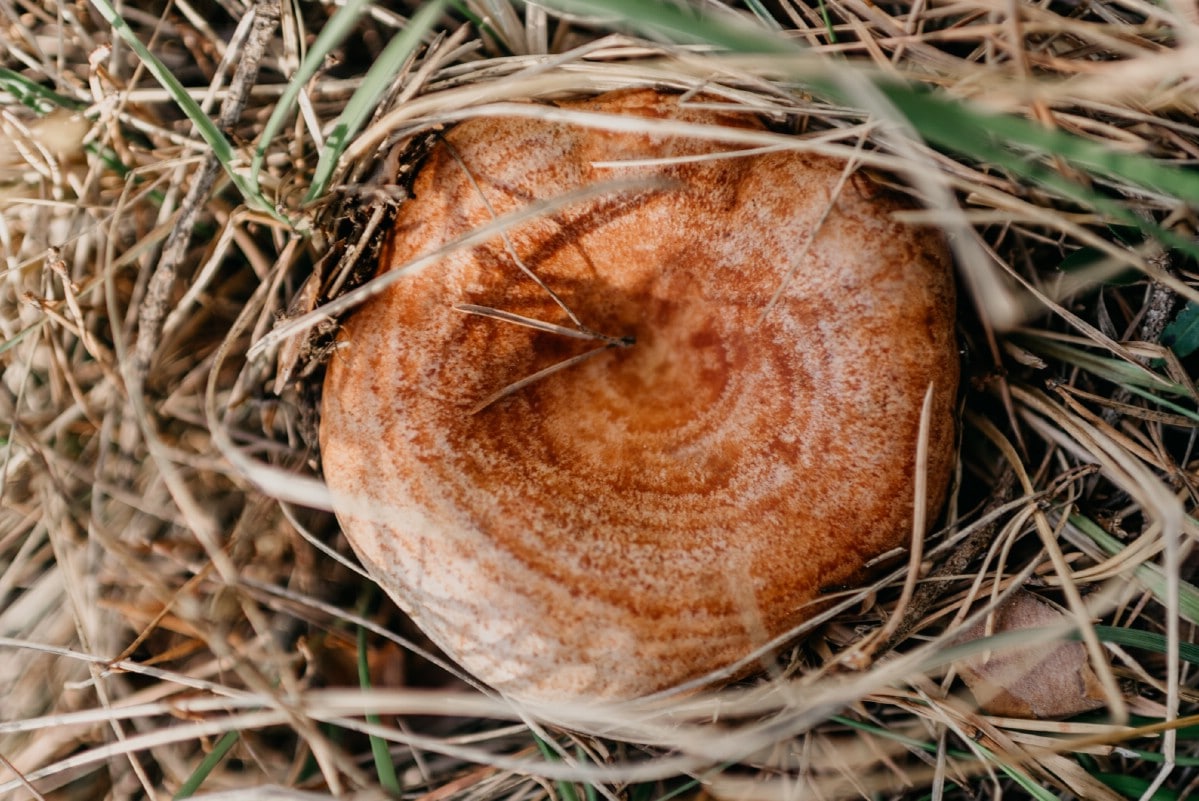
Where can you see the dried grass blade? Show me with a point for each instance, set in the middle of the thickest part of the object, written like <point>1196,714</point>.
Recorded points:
<point>207,129</point>
<point>527,322</point>
<point>517,386</point>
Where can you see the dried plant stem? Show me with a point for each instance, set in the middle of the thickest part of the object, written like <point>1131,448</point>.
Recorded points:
<point>539,325</point>
<point>517,386</point>
<point>507,240</point>
<point>974,546</point>
<point>1161,303</point>
<point>155,304</point>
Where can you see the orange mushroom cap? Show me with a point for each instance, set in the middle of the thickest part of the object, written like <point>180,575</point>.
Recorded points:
<point>663,507</point>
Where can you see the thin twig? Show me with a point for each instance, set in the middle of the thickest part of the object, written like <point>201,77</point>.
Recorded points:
<point>931,591</point>
<point>154,306</point>
<point>1158,309</point>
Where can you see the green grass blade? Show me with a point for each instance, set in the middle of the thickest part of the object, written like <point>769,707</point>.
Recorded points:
<point>759,10</point>
<point>825,17</point>
<point>1034,790</point>
<point>971,132</point>
<point>1182,334</point>
<point>684,24</point>
<point>1026,782</point>
<point>366,97</point>
<point>1020,146</point>
<point>34,95</point>
<point>682,789</point>
<point>1165,404</point>
<point>335,31</point>
<point>565,789</point>
<point>1149,575</point>
<point>384,767</point>
<point>1146,641</point>
<point>894,736</point>
<point>205,126</point>
<point>18,337</point>
<point>1007,140</point>
<point>1134,787</point>
<point>1116,371</point>
<point>589,791</point>
<point>43,101</point>
<point>207,766</point>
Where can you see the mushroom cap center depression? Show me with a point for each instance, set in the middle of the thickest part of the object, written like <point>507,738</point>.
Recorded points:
<point>658,510</point>
<point>625,427</point>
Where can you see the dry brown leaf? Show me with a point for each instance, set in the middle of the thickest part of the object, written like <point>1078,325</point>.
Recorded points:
<point>1047,678</point>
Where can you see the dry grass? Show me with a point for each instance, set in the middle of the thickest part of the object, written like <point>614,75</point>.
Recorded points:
<point>168,593</point>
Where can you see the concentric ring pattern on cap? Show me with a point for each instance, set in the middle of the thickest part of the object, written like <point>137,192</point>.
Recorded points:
<point>657,511</point>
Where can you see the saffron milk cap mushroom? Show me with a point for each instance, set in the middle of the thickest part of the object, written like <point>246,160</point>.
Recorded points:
<point>590,457</point>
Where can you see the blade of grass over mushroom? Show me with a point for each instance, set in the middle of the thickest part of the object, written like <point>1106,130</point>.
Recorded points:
<point>1026,149</point>
<point>205,126</point>
<point>949,123</point>
<point>480,234</point>
<point>680,22</point>
<point>1149,574</point>
<point>401,47</point>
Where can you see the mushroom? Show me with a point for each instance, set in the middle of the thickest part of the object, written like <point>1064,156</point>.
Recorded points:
<point>636,438</point>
